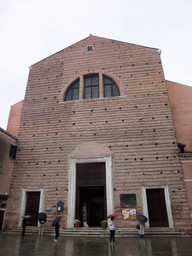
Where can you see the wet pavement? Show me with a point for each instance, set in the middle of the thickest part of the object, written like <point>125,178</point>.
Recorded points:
<point>16,245</point>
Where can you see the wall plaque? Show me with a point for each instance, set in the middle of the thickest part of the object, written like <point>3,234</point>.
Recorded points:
<point>128,199</point>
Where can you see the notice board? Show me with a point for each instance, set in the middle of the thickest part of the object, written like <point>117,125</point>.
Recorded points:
<point>128,199</point>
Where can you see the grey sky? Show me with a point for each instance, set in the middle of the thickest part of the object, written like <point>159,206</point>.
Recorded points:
<point>31,30</point>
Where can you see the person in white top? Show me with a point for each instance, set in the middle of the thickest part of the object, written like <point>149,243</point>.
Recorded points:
<point>112,229</point>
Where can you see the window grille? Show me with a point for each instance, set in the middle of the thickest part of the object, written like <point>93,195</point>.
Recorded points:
<point>110,88</point>
<point>73,91</point>
<point>91,87</point>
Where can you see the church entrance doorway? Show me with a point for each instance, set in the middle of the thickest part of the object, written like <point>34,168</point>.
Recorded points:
<point>90,193</point>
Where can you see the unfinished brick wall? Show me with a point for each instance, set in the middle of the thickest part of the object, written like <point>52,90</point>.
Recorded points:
<point>180,97</point>
<point>15,118</point>
<point>137,127</point>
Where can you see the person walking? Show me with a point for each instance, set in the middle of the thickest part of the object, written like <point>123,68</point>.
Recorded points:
<point>55,224</point>
<point>56,232</point>
<point>24,224</point>
<point>112,229</point>
<point>41,227</point>
<point>42,219</point>
<point>141,219</point>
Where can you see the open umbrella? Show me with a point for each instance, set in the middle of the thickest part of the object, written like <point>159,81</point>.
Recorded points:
<point>56,221</point>
<point>141,219</point>
<point>27,216</point>
<point>111,215</point>
<point>42,216</point>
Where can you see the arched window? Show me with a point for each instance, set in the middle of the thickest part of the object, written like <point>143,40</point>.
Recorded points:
<point>110,88</point>
<point>91,86</point>
<point>73,91</point>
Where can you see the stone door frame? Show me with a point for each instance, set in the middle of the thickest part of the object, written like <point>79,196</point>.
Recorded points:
<point>167,202</point>
<point>24,200</point>
<point>72,185</point>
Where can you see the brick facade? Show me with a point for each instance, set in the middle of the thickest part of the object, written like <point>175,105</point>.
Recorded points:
<point>135,130</point>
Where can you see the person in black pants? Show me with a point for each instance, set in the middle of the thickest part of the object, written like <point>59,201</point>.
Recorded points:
<point>112,229</point>
<point>56,232</point>
<point>24,224</point>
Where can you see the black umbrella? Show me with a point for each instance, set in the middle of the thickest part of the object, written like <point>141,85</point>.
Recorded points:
<point>56,221</point>
<point>42,216</point>
<point>141,219</point>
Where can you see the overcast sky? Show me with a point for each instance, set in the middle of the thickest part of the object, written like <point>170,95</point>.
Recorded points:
<point>31,30</point>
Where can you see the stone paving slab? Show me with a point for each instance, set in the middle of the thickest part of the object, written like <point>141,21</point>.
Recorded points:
<point>30,245</point>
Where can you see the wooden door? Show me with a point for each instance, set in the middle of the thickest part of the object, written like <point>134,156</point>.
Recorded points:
<point>1,219</point>
<point>32,207</point>
<point>157,208</point>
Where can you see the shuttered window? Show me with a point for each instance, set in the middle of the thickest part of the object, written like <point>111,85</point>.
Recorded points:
<point>73,91</point>
<point>110,88</point>
<point>91,87</point>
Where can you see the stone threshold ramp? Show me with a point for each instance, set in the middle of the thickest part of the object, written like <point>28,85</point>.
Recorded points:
<point>99,232</point>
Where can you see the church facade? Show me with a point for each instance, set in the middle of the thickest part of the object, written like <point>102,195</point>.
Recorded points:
<point>97,136</point>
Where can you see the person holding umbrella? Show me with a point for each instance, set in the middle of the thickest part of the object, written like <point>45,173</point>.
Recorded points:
<point>24,223</point>
<point>141,219</point>
<point>42,217</point>
<point>112,227</point>
<point>56,224</point>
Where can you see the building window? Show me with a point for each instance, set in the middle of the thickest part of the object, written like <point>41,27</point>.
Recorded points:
<point>90,48</point>
<point>12,152</point>
<point>73,91</point>
<point>110,88</point>
<point>91,87</point>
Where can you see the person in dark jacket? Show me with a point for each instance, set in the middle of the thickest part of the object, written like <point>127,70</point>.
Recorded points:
<point>24,224</point>
<point>56,232</point>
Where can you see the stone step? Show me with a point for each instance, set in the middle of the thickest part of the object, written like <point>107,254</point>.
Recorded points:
<point>99,232</point>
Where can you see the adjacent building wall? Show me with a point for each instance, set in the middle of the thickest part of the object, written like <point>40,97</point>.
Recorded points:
<point>180,97</point>
<point>6,166</point>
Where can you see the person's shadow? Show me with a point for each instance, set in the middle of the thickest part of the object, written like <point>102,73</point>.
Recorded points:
<point>111,249</point>
<point>56,250</point>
